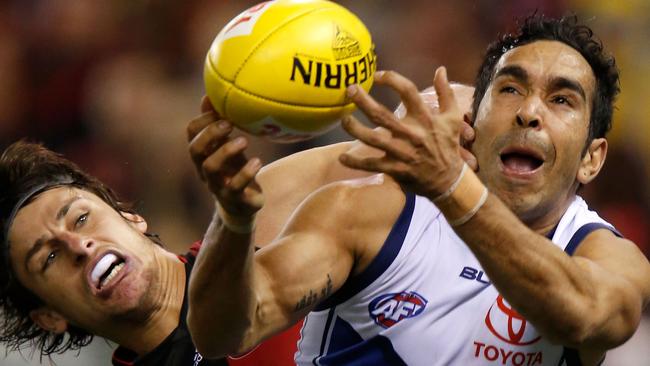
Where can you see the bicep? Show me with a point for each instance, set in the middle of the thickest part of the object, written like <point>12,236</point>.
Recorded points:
<point>295,273</point>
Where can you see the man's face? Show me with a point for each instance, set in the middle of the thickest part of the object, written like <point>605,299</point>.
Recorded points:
<point>83,259</point>
<point>532,126</point>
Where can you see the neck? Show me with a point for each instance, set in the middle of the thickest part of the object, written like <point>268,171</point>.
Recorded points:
<point>146,335</point>
<point>546,223</point>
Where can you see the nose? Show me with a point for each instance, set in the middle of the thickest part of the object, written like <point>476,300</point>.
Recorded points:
<point>79,246</point>
<point>529,115</point>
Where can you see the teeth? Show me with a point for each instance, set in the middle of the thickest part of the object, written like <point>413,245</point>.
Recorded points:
<point>102,266</point>
<point>113,273</point>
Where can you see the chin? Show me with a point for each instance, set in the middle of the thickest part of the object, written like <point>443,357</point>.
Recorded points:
<point>520,201</point>
<point>133,302</point>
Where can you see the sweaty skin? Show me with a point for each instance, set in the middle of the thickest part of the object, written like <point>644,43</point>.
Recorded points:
<point>540,105</point>
<point>537,109</point>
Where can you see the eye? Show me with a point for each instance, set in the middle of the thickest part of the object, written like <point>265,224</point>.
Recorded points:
<point>509,90</point>
<point>51,257</point>
<point>81,220</point>
<point>561,100</point>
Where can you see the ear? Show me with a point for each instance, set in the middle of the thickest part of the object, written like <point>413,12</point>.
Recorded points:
<point>49,320</point>
<point>592,161</point>
<point>468,118</point>
<point>136,220</point>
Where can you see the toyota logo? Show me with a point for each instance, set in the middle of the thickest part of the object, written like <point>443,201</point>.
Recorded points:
<point>508,325</point>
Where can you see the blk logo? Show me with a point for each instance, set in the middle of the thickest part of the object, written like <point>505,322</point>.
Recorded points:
<point>474,274</point>
<point>389,309</point>
<point>508,325</point>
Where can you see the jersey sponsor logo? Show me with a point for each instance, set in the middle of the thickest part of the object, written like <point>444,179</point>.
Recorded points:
<point>389,309</point>
<point>506,357</point>
<point>508,325</point>
<point>474,274</point>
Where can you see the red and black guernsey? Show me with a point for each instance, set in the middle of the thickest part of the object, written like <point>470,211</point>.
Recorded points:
<point>177,349</point>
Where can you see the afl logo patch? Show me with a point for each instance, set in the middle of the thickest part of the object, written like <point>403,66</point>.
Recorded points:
<point>509,326</point>
<point>389,309</point>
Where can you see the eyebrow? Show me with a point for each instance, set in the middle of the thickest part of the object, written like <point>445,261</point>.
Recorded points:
<point>514,71</point>
<point>559,83</point>
<point>38,244</point>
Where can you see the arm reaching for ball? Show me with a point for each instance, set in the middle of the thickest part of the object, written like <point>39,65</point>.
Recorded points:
<point>256,295</point>
<point>606,277</point>
<point>294,177</point>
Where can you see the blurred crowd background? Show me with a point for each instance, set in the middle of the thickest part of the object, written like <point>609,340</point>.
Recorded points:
<point>112,85</point>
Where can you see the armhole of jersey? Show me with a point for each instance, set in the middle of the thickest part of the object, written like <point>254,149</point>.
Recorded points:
<point>380,263</point>
<point>585,230</point>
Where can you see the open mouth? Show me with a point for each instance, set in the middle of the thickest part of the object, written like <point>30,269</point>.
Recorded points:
<point>106,269</point>
<point>521,161</point>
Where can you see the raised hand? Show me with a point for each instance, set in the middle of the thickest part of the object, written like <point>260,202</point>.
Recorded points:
<point>222,165</point>
<point>423,152</point>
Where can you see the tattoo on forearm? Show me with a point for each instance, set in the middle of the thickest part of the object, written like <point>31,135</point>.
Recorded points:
<point>312,297</point>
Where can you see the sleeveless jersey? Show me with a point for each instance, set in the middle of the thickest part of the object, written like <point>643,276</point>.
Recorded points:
<point>425,300</point>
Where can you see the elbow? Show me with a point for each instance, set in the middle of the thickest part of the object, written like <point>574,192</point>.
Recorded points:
<point>569,334</point>
<point>571,325</point>
<point>600,330</point>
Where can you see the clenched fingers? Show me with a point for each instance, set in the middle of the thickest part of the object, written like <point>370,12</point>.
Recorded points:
<point>244,176</point>
<point>207,141</point>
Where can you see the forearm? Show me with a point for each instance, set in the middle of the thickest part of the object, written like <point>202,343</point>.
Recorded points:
<point>549,288</point>
<point>221,296</point>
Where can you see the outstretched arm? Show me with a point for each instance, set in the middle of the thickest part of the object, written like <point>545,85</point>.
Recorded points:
<point>237,297</point>
<point>591,301</point>
<point>291,179</point>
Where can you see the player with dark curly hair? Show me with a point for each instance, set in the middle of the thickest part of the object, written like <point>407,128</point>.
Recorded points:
<point>430,263</point>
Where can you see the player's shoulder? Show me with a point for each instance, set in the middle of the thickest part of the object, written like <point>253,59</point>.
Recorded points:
<point>356,200</point>
<point>312,160</point>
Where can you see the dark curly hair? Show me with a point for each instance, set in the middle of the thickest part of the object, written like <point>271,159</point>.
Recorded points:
<point>24,167</point>
<point>578,36</point>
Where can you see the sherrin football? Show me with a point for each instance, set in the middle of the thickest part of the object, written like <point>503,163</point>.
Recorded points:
<point>280,68</point>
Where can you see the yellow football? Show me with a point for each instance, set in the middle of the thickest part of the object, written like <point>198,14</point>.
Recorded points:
<point>280,68</point>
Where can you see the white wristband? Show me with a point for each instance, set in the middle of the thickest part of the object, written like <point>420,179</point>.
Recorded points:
<point>453,186</point>
<point>463,199</point>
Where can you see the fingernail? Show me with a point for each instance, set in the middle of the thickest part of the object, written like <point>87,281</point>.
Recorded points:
<point>223,125</point>
<point>239,141</point>
<point>379,74</point>
<point>351,90</point>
